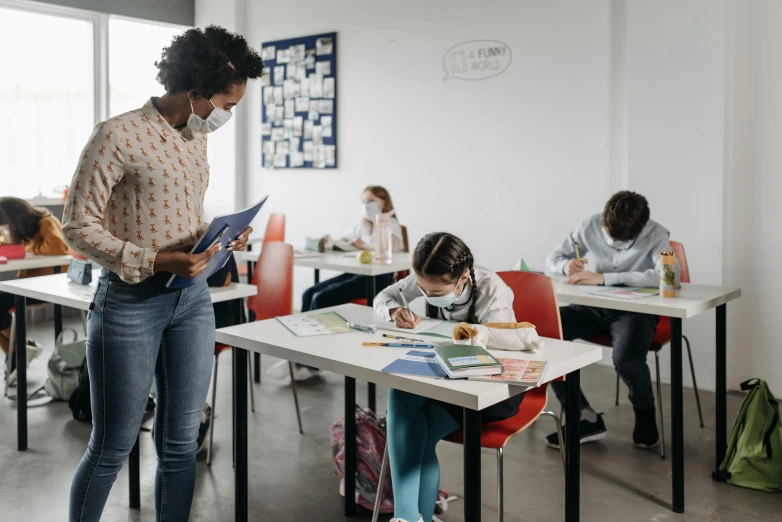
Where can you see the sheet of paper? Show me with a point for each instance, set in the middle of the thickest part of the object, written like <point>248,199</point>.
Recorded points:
<point>297,159</point>
<point>278,133</point>
<point>328,87</point>
<point>318,157</point>
<point>325,122</point>
<point>268,95</point>
<point>308,125</point>
<point>316,85</point>
<point>283,147</point>
<point>430,326</point>
<point>268,147</point>
<point>307,325</point>
<point>324,45</point>
<point>287,127</point>
<point>323,68</point>
<point>280,160</point>
<point>313,115</point>
<point>283,56</point>
<point>302,104</point>
<point>279,74</point>
<point>307,147</point>
<point>289,108</point>
<point>292,72</point>
<point>268,53</point>
<point>331,156</point>
<point>317,135</point>
<point>279,114</point>
<point>266,129</point>
<point>296,52</point>
<point>309,61</point>
<point>297,126</point>
<point>266,78</point>
<point>326,106</point>
<point>278,96</point>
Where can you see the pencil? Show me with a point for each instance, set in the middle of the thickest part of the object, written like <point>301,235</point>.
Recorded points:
<point>575,247</point>
<point>403,338</point>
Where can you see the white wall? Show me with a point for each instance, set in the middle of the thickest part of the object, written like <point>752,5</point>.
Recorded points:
<point>752,190</point>
<point>677,100</point>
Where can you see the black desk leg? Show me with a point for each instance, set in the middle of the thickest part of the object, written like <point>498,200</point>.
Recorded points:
<point>317,276</point>
<point>240,427</point>
<point>472,465</point>
<point>350,446</point>
<point>134,476</point>
<point>721,421</point>
<point>677,415</point>
<point>21,374</point>
<point>371,293</point>
<point>57,313</point>
<point>572,447</point>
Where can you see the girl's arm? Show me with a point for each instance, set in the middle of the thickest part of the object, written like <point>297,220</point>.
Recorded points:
<point>51,242</point>
<point>390,298</point>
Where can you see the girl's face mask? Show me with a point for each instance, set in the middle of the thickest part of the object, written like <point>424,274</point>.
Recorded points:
<point>444,300</point>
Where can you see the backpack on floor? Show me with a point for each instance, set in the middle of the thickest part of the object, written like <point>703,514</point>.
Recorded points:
<point>79,400</point>
<point>754,456</point>
<point>63,367</point>
<point>370,447</point>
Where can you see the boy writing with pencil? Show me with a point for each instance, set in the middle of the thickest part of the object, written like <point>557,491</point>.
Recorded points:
<point>625,245</point>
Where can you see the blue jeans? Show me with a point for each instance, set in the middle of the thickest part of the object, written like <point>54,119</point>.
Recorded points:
<point>137,332</point>
<point>340,290</point>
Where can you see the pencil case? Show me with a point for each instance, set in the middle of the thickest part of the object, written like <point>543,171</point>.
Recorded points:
<point>12,251</point>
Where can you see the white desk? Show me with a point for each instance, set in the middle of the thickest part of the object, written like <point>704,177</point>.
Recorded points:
<point>59,290</point>
<point>344,262</point>
<point>690,300</point>
<point>31,261</point>
<point>343,354</point>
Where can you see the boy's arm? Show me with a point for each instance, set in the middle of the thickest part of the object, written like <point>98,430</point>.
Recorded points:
<point>559,258</point>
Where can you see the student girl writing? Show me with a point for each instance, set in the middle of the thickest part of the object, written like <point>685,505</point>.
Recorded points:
<point>454,289</point>
<point>346,287</point>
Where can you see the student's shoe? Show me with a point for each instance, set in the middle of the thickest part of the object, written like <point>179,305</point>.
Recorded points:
<point>420,519</point>
<point>645,434</point>
<point>589,432</point>
<point>278,370</point>
<point>300,373</point>
<point>303,373</point>
<point>203,430</point>
<point>34,350</point>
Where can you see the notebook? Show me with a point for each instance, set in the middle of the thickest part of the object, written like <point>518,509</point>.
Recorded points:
<point>464,360</point>
<point>622,292</point>
<point>223,229</point>
<point>433,327</point>
<point>417,363</point>
<point>518,372</point>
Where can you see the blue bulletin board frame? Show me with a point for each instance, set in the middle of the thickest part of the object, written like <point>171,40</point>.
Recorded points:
<point>276,62</point>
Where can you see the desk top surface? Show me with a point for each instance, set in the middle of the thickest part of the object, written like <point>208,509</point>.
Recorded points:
<point>33,261</point>
<point>57,289</point>
<point>345,355</point>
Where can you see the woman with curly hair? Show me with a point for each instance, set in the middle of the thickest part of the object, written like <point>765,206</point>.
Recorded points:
<point>135,207</point>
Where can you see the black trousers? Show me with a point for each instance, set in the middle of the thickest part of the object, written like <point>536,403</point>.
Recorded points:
<point>631,336</point>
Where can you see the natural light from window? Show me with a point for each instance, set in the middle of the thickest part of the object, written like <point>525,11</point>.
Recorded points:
<point>134,47</point>
<point>46,100</point>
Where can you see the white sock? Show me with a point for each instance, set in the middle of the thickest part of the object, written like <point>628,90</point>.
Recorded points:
<point>588,414</point>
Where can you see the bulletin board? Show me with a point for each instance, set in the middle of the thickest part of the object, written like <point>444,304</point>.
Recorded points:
<point>299,103</point>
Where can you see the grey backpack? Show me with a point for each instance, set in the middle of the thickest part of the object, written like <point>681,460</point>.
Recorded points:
<point>64,366</point>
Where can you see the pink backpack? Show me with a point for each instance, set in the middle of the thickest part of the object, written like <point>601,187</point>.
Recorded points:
<point>370,446</point>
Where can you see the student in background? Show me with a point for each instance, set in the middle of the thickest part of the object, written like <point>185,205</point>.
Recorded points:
<point>454,289</point>
<point>346,287</point>
<point>41,233</point>
<point>625,245</point>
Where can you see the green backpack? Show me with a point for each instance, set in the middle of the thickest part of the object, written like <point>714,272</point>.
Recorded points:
<point>754,456</point>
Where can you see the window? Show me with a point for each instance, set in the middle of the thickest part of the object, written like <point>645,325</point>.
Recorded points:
<point>136,46</point>
<point>46,99</point>
<point>57,83</point>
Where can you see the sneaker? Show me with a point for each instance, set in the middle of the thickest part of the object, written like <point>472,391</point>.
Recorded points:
<point>300,373</point>
<point>203,430</point>
<point>34,350</point>
<point>420,519</point>
<point>645,434</point>
<point>590,432</point>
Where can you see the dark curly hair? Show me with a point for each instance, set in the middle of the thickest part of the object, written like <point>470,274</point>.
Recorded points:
<point>210,60</point>
<point>625,215</point>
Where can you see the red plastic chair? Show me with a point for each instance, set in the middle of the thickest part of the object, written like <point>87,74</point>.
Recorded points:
<point>535,301</point>
<point>275,229</point>
<point>273,277</point>
<point>662,337</point>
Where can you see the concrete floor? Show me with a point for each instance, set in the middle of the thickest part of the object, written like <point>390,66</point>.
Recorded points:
<point>292,476</point>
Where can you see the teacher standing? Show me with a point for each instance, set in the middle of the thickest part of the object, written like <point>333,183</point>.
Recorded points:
<point>135,207</point>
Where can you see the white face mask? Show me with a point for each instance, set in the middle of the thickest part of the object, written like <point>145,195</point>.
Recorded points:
<point>371,210</point>
<point>443,301</point>
<point>619,245</point>
<point>214,121</point>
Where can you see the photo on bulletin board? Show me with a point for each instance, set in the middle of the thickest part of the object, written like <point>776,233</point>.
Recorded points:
<point>299,103</point>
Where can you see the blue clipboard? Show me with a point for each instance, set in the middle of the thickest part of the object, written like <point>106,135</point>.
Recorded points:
<point>223,230</point>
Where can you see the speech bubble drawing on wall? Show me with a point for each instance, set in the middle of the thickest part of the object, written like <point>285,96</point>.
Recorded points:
<point>476,60</point>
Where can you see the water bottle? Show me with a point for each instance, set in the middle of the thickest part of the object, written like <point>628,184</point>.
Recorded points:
<point>383,239</point>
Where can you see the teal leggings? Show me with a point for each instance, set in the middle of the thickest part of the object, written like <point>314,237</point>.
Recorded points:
<point>415,426</point>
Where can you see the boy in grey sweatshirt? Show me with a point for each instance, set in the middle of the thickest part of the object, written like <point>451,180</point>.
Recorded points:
<point>625,246</point>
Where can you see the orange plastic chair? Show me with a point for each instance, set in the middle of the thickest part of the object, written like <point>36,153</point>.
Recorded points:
<point>535,301</point>
<point>273,277</point>
<point>275,228</point>
<point>662,337</point>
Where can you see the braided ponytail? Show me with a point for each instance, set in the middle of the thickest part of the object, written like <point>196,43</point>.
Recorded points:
<point>445,257</point>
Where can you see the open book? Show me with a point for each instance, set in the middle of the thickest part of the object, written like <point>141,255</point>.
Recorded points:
<point>433,327</point>
<point>518,372</point>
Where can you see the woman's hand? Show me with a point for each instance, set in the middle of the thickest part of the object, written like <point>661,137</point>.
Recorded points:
<point>184,264</point>
<point>240,243</point>
<point>404,319</point>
